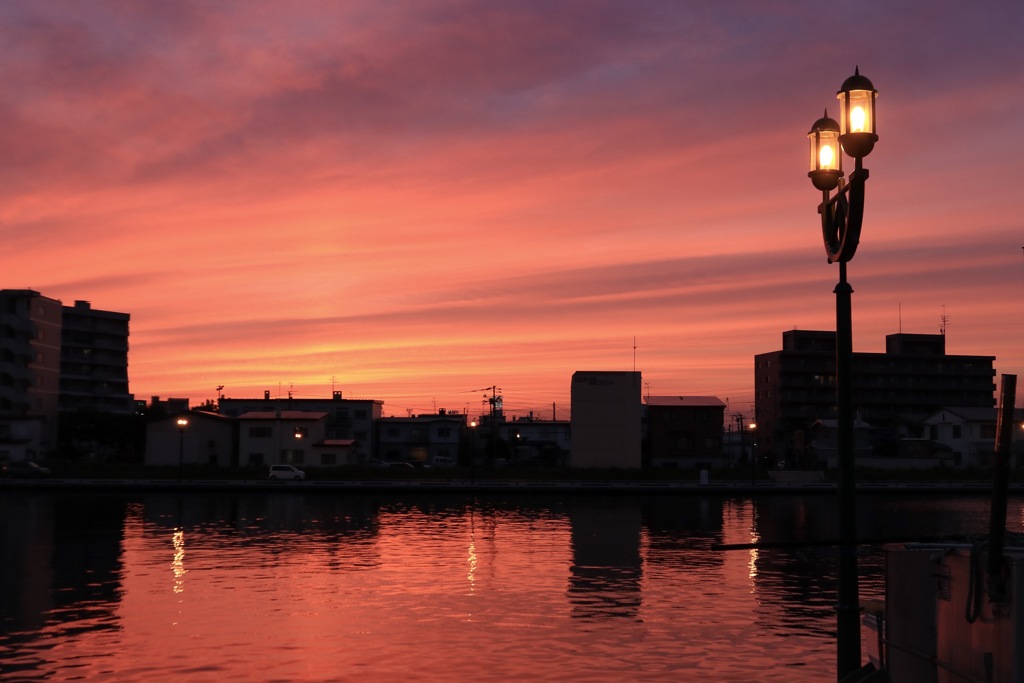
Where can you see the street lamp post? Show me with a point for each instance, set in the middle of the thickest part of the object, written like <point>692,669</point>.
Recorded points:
<point>841,217</point>
<point>182,423</point>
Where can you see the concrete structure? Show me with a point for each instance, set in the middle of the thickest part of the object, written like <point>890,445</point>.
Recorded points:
<point>207,439</point>
<point>274,437</point>
<point>685,431</point>
<point>30,325</point>
<point>533,441</point>
<point>332,452</point>
<point>347,419</point>
<point>892,391</point>
<point>823,445</point>
<point>94,361</point>
<point>606,419</point>
<point>433,439</point>
<point>969,434</point>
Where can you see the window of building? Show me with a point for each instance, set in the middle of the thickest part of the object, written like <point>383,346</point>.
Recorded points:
<point>360,414</point>
<point>260,432</point>
<point>255,458</point>
<point>328,458</point>
<point>957,432</point>
<point>444,432</point>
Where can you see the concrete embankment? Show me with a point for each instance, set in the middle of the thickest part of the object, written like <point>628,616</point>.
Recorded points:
<point>503,486</point>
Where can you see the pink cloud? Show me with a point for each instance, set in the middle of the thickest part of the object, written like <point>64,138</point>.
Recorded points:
<point>409,197</point>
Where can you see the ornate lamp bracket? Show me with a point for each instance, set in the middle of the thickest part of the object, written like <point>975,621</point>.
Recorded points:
<point>841,217</point>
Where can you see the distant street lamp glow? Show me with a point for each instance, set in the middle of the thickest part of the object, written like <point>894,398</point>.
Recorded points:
<point>182,423</point>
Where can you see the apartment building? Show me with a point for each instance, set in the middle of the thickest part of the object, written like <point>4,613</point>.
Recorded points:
<point>30,339</point>
<point>432,439</point>
<point>893,391</point>
<point>347,420</point>
<point>685,431</point>
<point>94,360</point>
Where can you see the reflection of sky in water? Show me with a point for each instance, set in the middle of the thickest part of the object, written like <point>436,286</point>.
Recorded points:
<point>313,587</point>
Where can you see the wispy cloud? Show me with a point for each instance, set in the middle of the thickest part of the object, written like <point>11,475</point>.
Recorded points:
<point>407,196</point>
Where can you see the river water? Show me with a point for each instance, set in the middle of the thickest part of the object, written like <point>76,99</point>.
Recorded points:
<point>292,586</point>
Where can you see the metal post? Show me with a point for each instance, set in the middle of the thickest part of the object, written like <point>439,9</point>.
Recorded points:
<point>1000,485</point>
<point>181,452</point>
<point>848,607</point>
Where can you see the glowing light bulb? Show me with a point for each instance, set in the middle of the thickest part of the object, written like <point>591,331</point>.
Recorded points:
<point>826,156</point>
<point>857,120</point>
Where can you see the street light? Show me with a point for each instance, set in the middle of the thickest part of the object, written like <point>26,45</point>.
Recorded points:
<point>841,217</point>
<point>182,423</point>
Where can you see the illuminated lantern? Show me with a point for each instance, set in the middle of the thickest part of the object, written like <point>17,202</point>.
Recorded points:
<point>826,162</point>
<point>857,115</point>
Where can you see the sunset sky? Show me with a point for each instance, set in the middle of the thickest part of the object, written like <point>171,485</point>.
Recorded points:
<point>410,201</point>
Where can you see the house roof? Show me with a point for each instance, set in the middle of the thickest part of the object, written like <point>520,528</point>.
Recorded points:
<point>692,401</point>
<point>195,415</point>
<point>832,423</point>
<point>975,414</point>
<point>312,415</point>
<point>428,417</point>
<point>337,442</point>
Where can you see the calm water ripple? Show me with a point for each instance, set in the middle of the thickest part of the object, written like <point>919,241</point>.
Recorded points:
<point>313,587</point>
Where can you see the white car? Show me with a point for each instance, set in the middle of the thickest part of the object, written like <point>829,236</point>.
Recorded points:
<point>286,472</point>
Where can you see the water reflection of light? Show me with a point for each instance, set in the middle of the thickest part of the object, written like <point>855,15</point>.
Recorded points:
<point>178,565</point>
<point>739,525</point>
<point>471,576</point>
<point>752,560</point>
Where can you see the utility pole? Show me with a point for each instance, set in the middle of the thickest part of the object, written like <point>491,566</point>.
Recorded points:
<point>495,403</point>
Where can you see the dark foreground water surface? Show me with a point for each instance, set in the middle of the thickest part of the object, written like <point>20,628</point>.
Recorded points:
<point>340,587</point>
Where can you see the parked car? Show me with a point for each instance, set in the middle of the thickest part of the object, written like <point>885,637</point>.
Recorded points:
<point>401,466</point>
<point>286,472</point>
<point>25,469</point>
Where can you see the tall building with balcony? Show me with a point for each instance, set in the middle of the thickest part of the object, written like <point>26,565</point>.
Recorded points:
<point>94,361</point>
<point>30,325</point>
<point>893,392</point>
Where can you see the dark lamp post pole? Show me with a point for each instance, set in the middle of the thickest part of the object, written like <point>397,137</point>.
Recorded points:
<point>182,423</point>
<point>841,216</point>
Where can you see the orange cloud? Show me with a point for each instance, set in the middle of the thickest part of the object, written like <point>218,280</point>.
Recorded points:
<point>417,201</point>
